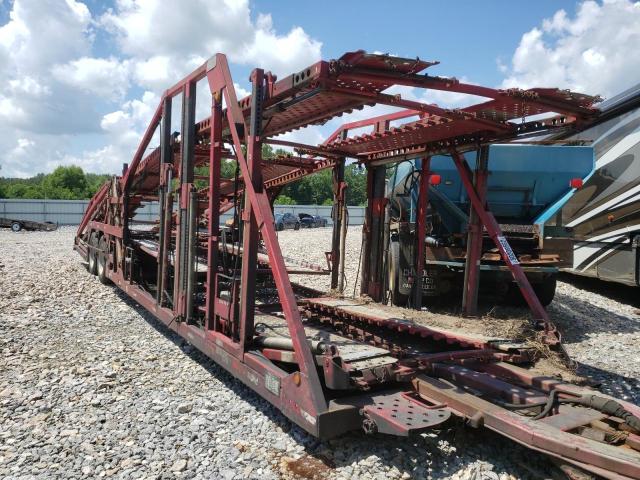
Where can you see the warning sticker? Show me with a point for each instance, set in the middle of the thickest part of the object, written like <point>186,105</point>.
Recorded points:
<point>507,249</point>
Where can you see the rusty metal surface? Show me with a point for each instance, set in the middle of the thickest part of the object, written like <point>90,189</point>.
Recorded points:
<point>600,458</point>
<point>371,313</point>
<point>401,377</point>
<point>401,415</point>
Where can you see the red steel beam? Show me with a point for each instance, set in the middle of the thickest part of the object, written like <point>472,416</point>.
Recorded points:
<point>368,122</point>
<point>421,231</point>
<point>220,80</point>
<point>251,230</point>
<point>552,336</point>
<point>215,161</point>
<point>474,238</point>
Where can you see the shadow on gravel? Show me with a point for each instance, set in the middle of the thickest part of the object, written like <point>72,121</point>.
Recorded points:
<point>614,291</point>
<point>482,447</point>
<point>619,386</point>
<point>577,319</point>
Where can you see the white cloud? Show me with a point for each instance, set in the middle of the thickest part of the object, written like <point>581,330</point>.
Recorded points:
<point>280,54</point>
<point>122,131</point>
<point>45,33</point>
<point>106,77</point>
<point>34,105</point>
<point>53,88</point>
<point>193,31</point>
<point>594,52</point>
<point>163,48</point>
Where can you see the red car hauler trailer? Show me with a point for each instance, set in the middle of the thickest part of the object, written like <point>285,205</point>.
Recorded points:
<point>332,364</point>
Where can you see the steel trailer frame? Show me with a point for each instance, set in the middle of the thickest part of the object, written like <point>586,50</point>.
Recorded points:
<point>393,376</point>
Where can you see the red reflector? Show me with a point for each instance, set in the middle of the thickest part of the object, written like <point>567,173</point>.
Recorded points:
<point>435,179</point>
<point>575,183</point>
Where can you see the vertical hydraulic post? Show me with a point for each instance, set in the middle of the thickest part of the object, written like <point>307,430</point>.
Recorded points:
<point>552,336</point>
<point>373,231</point>
<point>374,228</point>
<point>474,237</point>
<point>215,161</point>
<point>185,229</point>
<point>343,239</point>
<point>338,201</point>
<point>421,231</point>
<point>366,235</point>
<point>166,159</point>
<point>251,230</point>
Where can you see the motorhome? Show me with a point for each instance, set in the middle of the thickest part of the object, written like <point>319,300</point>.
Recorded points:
<point>604,215</point>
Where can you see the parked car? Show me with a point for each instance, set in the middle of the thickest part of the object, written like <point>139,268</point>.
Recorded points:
<point>286,220</point>
<point>311,221</point>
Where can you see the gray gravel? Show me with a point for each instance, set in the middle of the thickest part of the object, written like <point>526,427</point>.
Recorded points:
<point>91,386</point>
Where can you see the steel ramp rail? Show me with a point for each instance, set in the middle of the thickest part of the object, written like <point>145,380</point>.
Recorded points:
<point>563,435</point>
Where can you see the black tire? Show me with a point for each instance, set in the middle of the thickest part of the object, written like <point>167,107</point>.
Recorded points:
<point>279,227</point>
<point>545,291</point>
<point>397,298</point>
<point>16,226</point>
<point>102,261</point>
<point>296,226</point>
<point>92,257</point>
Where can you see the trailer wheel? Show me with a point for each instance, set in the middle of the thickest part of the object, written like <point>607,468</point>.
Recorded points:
<point>397,298</point>
<point>92,256</point>
<point>102,261</point>
<point>16,226</point>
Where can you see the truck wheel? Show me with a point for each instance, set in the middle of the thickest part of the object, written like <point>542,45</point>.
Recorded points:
<point>92,256</point>
<point>296,226</point>
<point>102,261</point>
<point>546,290</point>
<point>16,226</point>
<point>397,298</point>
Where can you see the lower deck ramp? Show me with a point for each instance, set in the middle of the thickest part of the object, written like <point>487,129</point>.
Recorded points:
<point>467,332</point>
<point>358,355</point>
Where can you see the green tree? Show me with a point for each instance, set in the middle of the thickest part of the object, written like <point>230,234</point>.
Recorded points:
<point>23,190</point>
<point>67,183</point>
<point>94,182</point>
<point>356,179</point>
<point>284,200</point>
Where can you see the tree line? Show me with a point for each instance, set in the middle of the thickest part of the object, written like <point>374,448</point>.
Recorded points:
<point>72,183</point>
<point>64,183</point>
<point>317,189</point>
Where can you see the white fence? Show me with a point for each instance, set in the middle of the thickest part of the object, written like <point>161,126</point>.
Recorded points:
<point>69,212</point>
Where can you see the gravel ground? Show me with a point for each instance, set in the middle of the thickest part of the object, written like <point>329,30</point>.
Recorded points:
<point>91,386</point>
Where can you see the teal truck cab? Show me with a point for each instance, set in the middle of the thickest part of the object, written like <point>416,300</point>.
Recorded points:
<point>527,185</point>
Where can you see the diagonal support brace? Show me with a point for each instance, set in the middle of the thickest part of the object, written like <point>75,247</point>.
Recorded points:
<point>551,334</point>
<point>219,78</point>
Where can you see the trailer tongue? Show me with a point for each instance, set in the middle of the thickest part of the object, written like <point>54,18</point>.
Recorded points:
<point>333,364</point>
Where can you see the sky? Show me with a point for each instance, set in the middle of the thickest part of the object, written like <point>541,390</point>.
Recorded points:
<point>79,81</point>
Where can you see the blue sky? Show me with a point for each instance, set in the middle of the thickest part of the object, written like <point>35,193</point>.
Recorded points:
<point>467,37</point>
<point>80,79</point>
